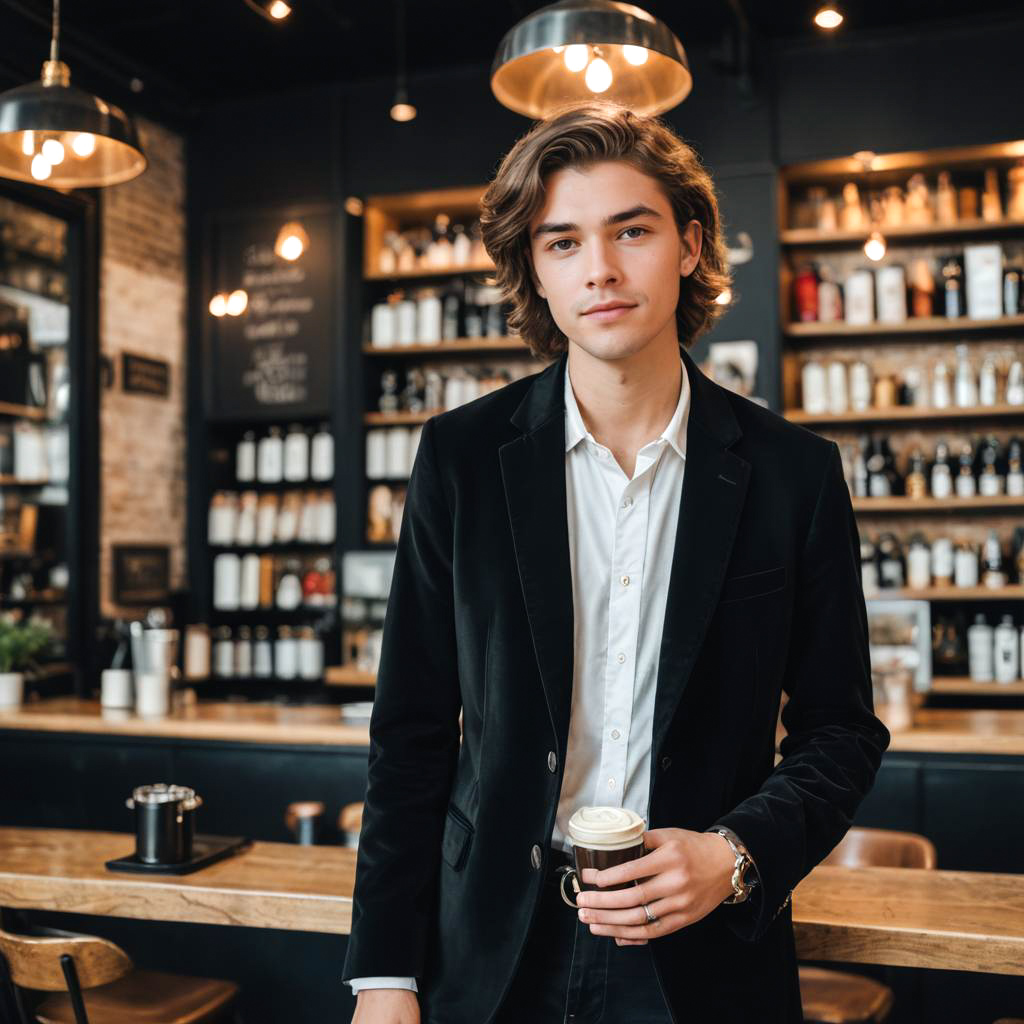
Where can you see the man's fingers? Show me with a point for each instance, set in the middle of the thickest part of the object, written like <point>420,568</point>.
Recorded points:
<point>630,871</point>
<point>647,891</point>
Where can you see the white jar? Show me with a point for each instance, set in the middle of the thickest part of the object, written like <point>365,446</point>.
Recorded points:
<point>197,652</point>
<point>405,316</point>
<point>376,454</point>
<point>224,654</point>
<point>860,387</point>
<point>249,587</point>
<point>942,561</point>
<point>428,329</point>
<point>980,651</point>
<point>326,519</point>
<point>285,654</point>
<point>397,455</point>
<point>245,523</point>
<point>296,454</point>
<point>321,458</point>
<point>245,458</point>
<point>266,520</point>
<point>814,388</point>
<point>382,326</point>
<point>270,457</point>
<point>310,654</point>
<point>262,654</point>
<point>227,570</point>
<point>838,401</point>
<point>919,566</point>
<point>965,567</point>
<point>220,526</point>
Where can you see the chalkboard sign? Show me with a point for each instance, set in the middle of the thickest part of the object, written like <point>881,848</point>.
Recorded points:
<point>274,361</point>
<point>141,574</point>
<point>143,376</point>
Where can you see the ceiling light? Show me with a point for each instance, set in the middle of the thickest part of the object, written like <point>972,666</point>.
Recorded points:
<point>58,113</point>
<point>829,17</point>
<point>292,241</point>
<point>874,247</point>
<point>536,69</point>
<point>219,304</point>
<point>272,10</point>
<point>401,108</point>
<point>237,302</point>
<point>279,10</point>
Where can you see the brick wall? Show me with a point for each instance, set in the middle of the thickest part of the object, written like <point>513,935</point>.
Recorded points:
<point>142,311</point>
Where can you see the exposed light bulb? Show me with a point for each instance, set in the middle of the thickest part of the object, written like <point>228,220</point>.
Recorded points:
<point>874,247</point>
<point>237,303</point>
<point>219,304</point>
<point>84,144</point>
<point>558,49</point>
<point>53,151</point>
<point>599,75</point>
<point>279,10</point>
<point>28,143</point>
<point>576,56</point>
<point>40,167</point>
<point>723,298</point>
<point>403,112</point>
<point>828,17</point>
<point>635,55</point>
<point>292,247</point>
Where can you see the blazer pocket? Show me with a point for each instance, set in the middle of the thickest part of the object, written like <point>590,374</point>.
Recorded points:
<point>753,584</point>
<point>458,833</point>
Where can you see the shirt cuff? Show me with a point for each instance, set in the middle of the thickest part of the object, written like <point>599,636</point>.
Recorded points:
<point>358,984</point>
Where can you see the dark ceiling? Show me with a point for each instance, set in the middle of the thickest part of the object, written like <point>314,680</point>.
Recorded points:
<point>186,54</point>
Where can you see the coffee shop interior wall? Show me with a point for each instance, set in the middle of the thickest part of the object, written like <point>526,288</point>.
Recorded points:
<point>142,311</point>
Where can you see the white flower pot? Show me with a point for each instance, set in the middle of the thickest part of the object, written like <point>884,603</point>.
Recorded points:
<point>12,685</point>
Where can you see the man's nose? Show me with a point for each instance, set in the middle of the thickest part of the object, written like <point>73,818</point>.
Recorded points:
<point>602,267</point>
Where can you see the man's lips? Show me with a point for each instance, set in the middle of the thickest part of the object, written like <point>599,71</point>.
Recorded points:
<point>607,311</point>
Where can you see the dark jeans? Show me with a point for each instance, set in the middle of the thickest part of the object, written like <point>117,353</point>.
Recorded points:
<point>568,975</point>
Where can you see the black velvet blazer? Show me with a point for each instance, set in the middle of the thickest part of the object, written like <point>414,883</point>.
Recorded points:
<point>765,595</point>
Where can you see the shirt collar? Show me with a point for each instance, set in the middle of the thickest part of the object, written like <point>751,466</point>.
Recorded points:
<point>674,433</point>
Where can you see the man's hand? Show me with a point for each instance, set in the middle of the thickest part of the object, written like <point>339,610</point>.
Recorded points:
<point>386,1006</point>
<point>682,878</point>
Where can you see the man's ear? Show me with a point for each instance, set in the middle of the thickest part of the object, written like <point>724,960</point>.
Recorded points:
<point>690,242</point>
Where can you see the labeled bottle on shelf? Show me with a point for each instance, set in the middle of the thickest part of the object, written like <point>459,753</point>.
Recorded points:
<point>941,396</point>
<point>805,294</point>
<point>942,474</point>
<point>980,650</point>
<point>243,652</point>
<point>1011,291</point>
<point>270,457</point>
<point>994,576</point>
<point>879,480</point>
<point>991,482</point>
<point>952,275</point>
<point>917,481</point>
<point>919,563</point>
<point>945,200</point>
<point>860,471</point>
<point>965,387</point>
<point>861,386</point>
<point>891,564</point>
<point>296,454</point>
<point>942,562</point>
<point>245,458</point>
<point>309,653</point>
<point>922,289</point>
<point>830,299</point>
<point>814,387</point>
<point>223,653</point>
<point>965,565</point>
<point>966,485</point>
<point>1006,650</point>
<point>1015,468</point>
<point>285,654</point>
<point>1015,383</point>
<point>262,654</point>
<point>988,381</point>
<point>321,454</point>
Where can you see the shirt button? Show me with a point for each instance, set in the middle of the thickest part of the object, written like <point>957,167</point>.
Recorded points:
<point>626,502</point>
<point>615,734</point>
<point>666,763</point>
<point>625,581</point>
<point>611,783</point>
<point>536,858</point>
<point>552,761</point>
<point>620,658</point>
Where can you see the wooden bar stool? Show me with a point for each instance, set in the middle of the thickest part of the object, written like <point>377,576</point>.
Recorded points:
<point>350,821</point>
<point>303,819</point>
<point>838,997</point>
<point>96,983</point>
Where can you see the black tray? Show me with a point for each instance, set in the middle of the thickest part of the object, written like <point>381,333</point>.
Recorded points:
<point>205,850</point>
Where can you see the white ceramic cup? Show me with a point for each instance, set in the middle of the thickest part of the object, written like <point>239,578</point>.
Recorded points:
<point>152,694</point>
<point>116,690</point>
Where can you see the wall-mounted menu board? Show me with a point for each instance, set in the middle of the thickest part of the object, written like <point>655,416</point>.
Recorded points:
<point>275,359</point>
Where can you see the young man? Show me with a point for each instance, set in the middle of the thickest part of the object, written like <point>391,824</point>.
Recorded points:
<point>613,569</point>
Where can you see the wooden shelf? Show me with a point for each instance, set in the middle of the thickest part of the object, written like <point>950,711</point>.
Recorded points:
<point>1009,593</point>
<point>28,412</point>
<point>467,345</point>
<point>900,504</point>
<point>965,229</point>
<point>426,273</point>
<point>397,419</point>
<point>346,675</point>
<point>913,326</point>
<point>964,685</point>
<point>905,413</point>
<point>13,481</point>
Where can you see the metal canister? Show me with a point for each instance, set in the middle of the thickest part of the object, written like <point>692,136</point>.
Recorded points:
<point>164,822</point>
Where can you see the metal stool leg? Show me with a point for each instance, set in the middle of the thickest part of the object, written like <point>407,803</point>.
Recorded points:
<point>67,965</point>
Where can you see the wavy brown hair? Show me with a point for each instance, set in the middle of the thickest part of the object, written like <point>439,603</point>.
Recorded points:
<point>577,137</point>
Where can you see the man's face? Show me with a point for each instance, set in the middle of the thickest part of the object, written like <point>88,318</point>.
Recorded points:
<point>606,237</point>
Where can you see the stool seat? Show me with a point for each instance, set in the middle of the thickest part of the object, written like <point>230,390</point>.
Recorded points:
<point>835,997</point>
<point>145,997</point>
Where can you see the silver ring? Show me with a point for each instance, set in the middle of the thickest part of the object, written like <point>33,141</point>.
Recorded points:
<point>651,918</point>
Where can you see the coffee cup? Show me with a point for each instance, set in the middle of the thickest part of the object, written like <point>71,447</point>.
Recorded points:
<point>601,837</point>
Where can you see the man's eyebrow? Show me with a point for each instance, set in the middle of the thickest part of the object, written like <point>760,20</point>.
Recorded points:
<point>616,218</point>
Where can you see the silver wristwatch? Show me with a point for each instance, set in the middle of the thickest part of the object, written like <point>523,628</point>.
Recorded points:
<point>744,862</point>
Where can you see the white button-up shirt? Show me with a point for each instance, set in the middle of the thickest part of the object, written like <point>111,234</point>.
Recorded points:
<point>621,541</point>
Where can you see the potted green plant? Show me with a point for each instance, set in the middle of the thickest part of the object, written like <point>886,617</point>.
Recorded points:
<point>21,643</point>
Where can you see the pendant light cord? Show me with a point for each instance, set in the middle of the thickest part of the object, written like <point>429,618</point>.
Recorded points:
<point>56,30</point>
<point>400,27</point>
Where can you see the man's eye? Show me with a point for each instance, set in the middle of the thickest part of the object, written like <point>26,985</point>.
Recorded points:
<point>566,242</point>
<point>643,231</point>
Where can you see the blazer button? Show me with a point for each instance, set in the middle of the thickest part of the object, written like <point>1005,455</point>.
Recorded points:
<point>536,858</point>
<point>552,762</point>
<point>666,763</point>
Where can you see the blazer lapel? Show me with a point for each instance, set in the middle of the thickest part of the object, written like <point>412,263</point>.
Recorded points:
<point>533,473</point>
<point>714,489</point>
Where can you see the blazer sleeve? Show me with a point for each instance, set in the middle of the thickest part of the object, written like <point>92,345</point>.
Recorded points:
<point>414,740</point>
<point>834,743</point>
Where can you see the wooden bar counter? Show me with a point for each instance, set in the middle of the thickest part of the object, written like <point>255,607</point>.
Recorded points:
<point>232,721</point>
<point>937,919</point>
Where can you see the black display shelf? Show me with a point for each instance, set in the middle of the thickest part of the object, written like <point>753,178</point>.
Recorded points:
<point>292,548</point>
